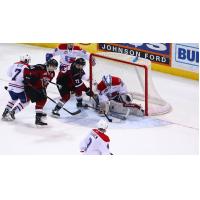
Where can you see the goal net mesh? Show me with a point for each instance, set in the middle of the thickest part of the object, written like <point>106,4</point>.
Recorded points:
<point>135,73</point>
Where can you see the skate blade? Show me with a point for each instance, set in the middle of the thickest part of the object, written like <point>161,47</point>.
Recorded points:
<point>116,120</point>
<point>55,116</point>
<point>7,119</point>
<point>41,126</point>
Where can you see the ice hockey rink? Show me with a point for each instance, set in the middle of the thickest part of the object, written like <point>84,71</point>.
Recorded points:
<point>174,133</point>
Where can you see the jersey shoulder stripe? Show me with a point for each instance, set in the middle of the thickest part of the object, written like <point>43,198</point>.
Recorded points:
<point>102,135</point>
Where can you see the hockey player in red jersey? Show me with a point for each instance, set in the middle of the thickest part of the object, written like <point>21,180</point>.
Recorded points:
<point>114,97</point>
<point>36,79</point>
<point>96,142</point>
<point>75,83</point>
<point>18,99</point>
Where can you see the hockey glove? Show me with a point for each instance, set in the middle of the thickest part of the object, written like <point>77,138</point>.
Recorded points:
<point>43,93</point>
<point>49,56</point>
<point>30,80</point>
<point>89,92</point>
<point>27,80</point>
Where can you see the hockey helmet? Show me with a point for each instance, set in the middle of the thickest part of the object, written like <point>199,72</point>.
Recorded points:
<point>80,62</point>
<point>70,46</point>
<point>107,80</point>
<point>25,58</point>
<point>52,65</point>
<point>102,124</point>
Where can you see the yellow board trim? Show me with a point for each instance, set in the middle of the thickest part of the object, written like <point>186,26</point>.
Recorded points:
<point>175,71</point>
<point>47,45</point>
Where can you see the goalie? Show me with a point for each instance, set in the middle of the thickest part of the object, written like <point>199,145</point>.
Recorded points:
<point>113,97</point>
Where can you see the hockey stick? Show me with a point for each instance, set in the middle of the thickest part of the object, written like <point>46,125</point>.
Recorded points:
<point>71,113</point>
<point>115,119</point>
<point>115,115</point>
<point>109,119</point>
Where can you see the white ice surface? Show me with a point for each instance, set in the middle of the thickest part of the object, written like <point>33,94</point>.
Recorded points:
<point>173,133</point>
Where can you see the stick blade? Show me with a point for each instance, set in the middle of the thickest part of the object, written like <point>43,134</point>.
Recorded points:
<point>116,120</point>
<point>76,112</point>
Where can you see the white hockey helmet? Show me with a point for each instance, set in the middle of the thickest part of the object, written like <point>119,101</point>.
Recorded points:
<point>25,58</point>
<point>107,80</point>
<point>102,124</point>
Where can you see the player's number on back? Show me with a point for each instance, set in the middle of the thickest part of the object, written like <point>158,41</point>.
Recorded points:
<point>17,72</point>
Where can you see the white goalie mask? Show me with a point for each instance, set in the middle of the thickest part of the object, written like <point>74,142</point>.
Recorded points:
<point>102,124</point>
<point>26,59</point>
<point>107,80</point>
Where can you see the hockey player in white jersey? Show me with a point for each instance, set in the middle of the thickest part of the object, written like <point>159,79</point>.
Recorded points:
<point>68,52</point>
<point>16,88</point>
<point>115,98</point>
<point>96,142</point>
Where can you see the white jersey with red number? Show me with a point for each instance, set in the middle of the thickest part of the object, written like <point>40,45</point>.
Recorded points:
<point>67,57</point>
<point>15,72</point>
<point>107,93</point>
<point>96,143</point>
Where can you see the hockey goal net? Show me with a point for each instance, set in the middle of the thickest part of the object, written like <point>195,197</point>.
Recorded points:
<point>135,73</point>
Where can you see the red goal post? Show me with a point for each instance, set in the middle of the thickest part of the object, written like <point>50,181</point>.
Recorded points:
<point>122,66</point>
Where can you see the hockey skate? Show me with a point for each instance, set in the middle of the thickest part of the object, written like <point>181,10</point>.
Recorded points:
<point>5,115</point>
<point>44,115</point>
<point>55,113</point>
<point>12,114</point>
<point>79,103</point>
<point>38,120</point>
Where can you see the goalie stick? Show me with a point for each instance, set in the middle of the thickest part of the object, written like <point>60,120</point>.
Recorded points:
<point>109,119</point>
<point>115,119</point>
<point>122,117</point>
<point>115,115</point>
<point>71,113</point>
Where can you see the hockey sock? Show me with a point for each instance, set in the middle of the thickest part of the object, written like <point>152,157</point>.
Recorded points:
<point>19,107</point>
<point>10,104</point>
<point>59,105</point>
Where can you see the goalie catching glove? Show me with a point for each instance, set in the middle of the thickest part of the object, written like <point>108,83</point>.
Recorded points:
<point>125,98</point>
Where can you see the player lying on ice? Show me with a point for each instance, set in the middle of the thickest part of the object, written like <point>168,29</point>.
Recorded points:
<point>113,97</point>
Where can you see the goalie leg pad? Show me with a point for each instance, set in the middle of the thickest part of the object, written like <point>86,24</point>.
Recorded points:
<point>104,107</point>
<point>117,107</point>
<point>137,111</point>
<point>122,109</point>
